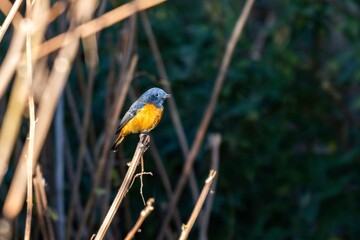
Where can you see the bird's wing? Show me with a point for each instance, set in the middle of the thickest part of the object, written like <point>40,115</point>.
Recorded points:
<point>133,110</point>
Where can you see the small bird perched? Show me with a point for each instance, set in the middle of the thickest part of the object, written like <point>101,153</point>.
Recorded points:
<point>143,115</point>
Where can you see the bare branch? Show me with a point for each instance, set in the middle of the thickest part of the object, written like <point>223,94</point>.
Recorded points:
<point>9,18</point>
<point>214,142</point>
<point>30,156</point>
<point>42,205</point>
<point>143,215</point>
<point>140,150</point>
<point>186,228</point>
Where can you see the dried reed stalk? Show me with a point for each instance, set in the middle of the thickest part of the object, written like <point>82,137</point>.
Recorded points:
<point>12,119</point>
<point>214,142</point>
<point>207,115</point>
<point>9,18</point>
<point>143,215</point>
<point>5,7</point>
<point>42,205</point>
<point>124,188</point>
<point>186,228</point>
<point>30,156</point>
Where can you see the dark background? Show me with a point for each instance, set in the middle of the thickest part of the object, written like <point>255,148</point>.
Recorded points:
<point>288,114</point>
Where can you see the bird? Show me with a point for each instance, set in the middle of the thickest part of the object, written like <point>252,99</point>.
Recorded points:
<point>143,115</point>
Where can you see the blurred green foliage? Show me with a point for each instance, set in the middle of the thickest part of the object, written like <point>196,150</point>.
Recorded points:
<point>289,116</point>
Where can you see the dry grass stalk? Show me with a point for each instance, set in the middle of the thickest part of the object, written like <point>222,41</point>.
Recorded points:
<point>186,228</point>
<point>214,142</point>
<point>30,156</point>
<point>9,18</point>
<point>207,115</point>
<point>124,188</point>
<point>143,215</point>
<point>42,206</point>
<point>5,7</point>
<point>12,118</point>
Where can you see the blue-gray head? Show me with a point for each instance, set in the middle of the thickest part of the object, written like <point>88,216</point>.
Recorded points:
<point>154,96</point>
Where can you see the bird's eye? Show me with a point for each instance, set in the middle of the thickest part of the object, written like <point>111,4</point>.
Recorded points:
<point>156,95</point>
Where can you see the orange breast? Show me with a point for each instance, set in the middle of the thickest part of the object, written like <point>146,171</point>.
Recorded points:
<point>144,121</point>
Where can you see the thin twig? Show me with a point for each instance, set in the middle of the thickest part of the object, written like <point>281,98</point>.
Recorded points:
<point>140,175</point>
<point>9,18</point>
<point>207,115</point>
<point>39,185</point>
<point>39,205</point>
<point>140,150</point>
<point>30,156</point>
<point>214,142</point>
<point>186,228</point>
<point>5,8</point>
<point>143,215</point>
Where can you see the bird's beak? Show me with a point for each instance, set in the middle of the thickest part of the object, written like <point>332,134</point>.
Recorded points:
<point>167,95</point>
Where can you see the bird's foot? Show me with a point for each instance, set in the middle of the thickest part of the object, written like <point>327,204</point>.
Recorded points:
<point>145,140</point>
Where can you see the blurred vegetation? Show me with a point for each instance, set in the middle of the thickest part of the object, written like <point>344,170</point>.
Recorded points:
<point>288,114</point>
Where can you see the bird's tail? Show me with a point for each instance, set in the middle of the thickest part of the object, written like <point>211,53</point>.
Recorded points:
<point>117,143</point>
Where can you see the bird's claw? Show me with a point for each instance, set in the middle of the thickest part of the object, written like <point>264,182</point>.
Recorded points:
<point>145,140</point>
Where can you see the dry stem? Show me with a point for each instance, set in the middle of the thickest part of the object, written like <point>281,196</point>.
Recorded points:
<point>140,150</point>
<point>5,7</point>
<point>208,114</point>
<point>214,142</point>
<point>12,118</point>
<point>140,175</point>
<point>9,18</point>
<point>11,60</point>
<point>42,206</point>
<point>30,157</point>
<point>186,228</point>
<point>143,215</point>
